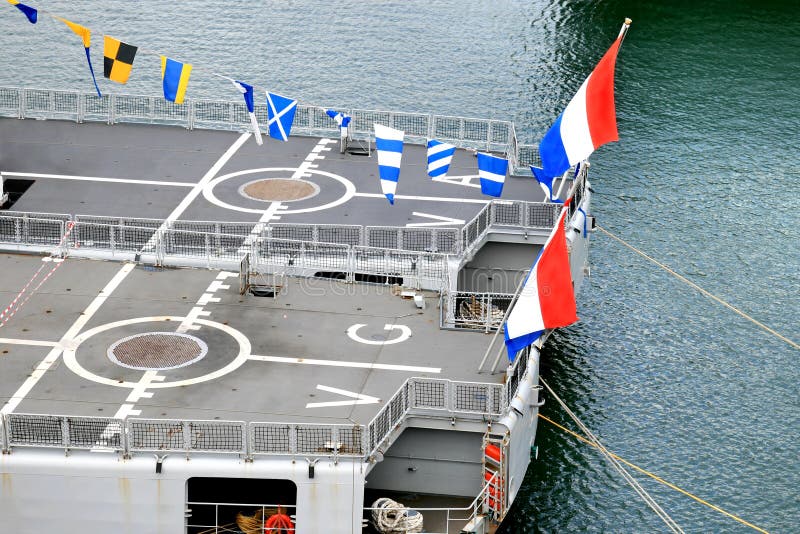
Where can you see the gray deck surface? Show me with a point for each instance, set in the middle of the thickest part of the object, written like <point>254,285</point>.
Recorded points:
<point>308,320</point>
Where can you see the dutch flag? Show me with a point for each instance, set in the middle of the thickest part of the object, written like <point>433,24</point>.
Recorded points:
<point>588,121</point>
<point>439,157</point>
<point>547,299</point>
<point>389,143</point>
<point>492,172</point>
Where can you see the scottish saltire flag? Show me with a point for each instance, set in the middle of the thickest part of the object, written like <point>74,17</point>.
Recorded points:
<point>29,11</point>
<point>342,120</point>
<point>247,94</point>
<point>117,59</point>
<point>86,35</point>
<point>389,143</point>
<point>492,172</point>
<point>547,299</point>
<point>175,79</point>
<point>281,115</point>
<point>588,121</point>
<point>439,157</point>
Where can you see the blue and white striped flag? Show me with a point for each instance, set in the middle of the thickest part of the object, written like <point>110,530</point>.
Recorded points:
<point>492,171</point>
<point>389,143</point>
<point>281,116</point>
<point>247,93</point>
<point>342,120</point>
<point>439,157</point>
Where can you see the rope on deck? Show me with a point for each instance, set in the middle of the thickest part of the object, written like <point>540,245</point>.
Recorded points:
<point>700,289</point>
<point>656,477</point>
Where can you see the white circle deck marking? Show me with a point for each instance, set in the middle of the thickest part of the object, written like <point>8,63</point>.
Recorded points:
<point>208,190</point>
<point>71,360</point>
<point>405,333</point>
<point>149,358</point>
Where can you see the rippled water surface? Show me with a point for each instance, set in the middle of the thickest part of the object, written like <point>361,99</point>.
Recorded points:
<point>705,178</point>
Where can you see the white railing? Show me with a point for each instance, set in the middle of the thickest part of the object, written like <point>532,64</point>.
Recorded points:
<point>481,134</point>
<point>221,516</point>
<point>467,310</point>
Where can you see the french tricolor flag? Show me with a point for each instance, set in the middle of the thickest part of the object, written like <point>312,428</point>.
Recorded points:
<point>588,121</point>
<point>547,299</point>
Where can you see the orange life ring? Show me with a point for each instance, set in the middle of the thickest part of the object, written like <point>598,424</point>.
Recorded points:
<point>279,523</point>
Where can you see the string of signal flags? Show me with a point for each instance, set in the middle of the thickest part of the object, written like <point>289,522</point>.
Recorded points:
<point>118,59</point>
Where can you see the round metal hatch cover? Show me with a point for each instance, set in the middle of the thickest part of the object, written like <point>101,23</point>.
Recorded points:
<point>279,189</point>
<point>153,351</point>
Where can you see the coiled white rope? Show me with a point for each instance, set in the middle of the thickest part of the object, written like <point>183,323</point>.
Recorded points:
<point>391,517</point>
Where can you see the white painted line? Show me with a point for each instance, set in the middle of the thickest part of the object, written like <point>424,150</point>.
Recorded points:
<point>215,286</point>
<point>443,221</point>
<point>226,274</point>
<point>188,321</point>
<point>30,342</point>
<point>99,179</point>
<point>431,199</point>
<point>67,339</point>
<point>337,363</point>
<point>360,398</point>
<point>405,333</point>
<point>465,181</point>
<point>206,298</point>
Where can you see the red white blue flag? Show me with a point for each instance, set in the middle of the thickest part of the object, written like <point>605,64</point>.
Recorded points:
<point>547,299</point>
<point>588,121</point>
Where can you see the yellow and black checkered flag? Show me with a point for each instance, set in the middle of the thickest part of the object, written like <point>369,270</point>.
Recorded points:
<point>117,59</point>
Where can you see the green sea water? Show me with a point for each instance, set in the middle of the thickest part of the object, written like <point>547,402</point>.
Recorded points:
<point>705,177</point>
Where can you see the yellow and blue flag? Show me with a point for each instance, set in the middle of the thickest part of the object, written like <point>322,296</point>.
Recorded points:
<point>175,77</point>
<point>30,12</point>
<point>86,35</point>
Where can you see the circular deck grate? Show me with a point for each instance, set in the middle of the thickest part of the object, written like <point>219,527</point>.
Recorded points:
<point>157,350</point>
<point>279,190</point>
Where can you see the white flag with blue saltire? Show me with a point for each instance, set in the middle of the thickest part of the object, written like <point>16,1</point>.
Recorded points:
<point>389,143</point>
<point>492,171</point>
<point>281,116</point>
<point>439,157</point>
<point>342,120</point>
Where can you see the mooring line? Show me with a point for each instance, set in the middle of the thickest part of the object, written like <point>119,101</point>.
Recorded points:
<point>656,477</point>
<point>701,290</point>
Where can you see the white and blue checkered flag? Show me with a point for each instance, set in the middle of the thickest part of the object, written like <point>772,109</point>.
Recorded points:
<point>281,116</point>
<point>247,93</point>
<point>492,171</point>
<point>439,157</point>
<point>389,143</point>
<point>342,120</point>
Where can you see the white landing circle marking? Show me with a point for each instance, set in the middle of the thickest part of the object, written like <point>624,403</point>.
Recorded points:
<point>208,190</point>
<point>72,363</point>
<point>405,333</point>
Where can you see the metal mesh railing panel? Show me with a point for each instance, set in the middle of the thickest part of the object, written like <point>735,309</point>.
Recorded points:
<point>429,393</point>
<point>133,107</point>
<point>66,103</point>
<point>351,440</point>
<point>447,240</point>
<point>166,110</point>
<point>420,239</point>
<point>296,232</point>
<point>36,215</point>
<point>476,130</point>
<point>471,397</point>
<point>501,132</point>
<point>541,215</point>
<point>364,120</point>
<point>95,432</point>
<point>382,236</point>
<point>413,124</point>
<point>37,430</point>
<point>389,417</point>
<point>508,213</point>
<point>96,108</point>
<point>203,245</point>
<point>29,231</point>
<point>528,155</point>
<point>340,234</point>
<point>314,439</point>
<point>217,436</point>
<point>483,311</point>
<point>212,111</point>
<point>214,227</point>
<point>270,438</point>
<point>9,102</point>
<point>517,372</point>
<point>156,435</point>
<point>447,127</point>
<point>37,100</point>
<point>399,263</point>
<point>300,254</point>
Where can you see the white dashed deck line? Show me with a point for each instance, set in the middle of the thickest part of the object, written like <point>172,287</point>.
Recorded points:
<point>67,339</point>
<point>339,363</point>
<point>215,286</point>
